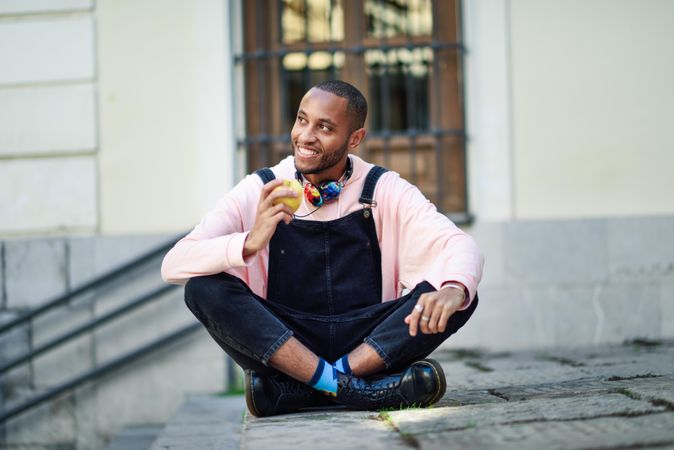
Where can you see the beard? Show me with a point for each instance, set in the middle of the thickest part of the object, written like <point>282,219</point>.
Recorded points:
<point>325,161</point>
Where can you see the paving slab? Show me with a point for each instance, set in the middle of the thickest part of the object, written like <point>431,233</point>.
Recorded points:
<point>458,371</point>
<point>553,373</point>
<point>134,438</point>
<point>554,366</point>
<point>661,393</point>
<point>655,430</point>
<point>459,418</point>
<point>585,387</point>
<point>459,397</point>
<point>204,422</point>
<point>321,429</point>
<point>628,351</point>
<point>435,420</point>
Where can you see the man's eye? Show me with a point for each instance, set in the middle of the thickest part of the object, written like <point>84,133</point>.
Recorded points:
<point>300,119</point>
<point>325,128</point>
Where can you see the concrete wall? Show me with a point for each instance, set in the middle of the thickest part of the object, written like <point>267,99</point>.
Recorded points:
<point>166,141</point>
<point>48,132</point>
<point>571,283</point>
<point>147,392</point>
<point>122,109</point>
<point>568,104</point>
<point>592,103</point>
<point>488,115</point>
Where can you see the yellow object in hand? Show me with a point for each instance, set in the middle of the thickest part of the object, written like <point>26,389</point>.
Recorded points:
<point>292,202</point>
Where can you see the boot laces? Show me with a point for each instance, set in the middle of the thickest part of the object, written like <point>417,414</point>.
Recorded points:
<point>373,391</point>
<point>290,386</point>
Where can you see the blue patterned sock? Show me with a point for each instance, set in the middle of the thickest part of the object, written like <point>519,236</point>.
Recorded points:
<point>342,364</point>
<point>325,377</point>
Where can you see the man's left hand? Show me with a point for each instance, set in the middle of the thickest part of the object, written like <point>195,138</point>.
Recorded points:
<point>433,310</point>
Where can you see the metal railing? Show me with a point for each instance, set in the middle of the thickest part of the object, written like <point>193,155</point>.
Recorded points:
<point>90,285</point>
<point>99,371</point>
<point>89,326</point>
<point>109,366</point>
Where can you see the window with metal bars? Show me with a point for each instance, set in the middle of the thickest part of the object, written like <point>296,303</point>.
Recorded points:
<point>406,56</point>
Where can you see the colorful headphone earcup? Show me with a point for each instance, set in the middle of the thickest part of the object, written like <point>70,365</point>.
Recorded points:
<point>313,195</point>
<point>330,190</point>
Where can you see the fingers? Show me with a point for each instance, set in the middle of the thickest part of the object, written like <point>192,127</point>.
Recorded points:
<point>281,212</point>
<point>444,318</point>
<point>268,209</point>
<point>280,193</point>
<point>267,188</point>
<point>414,318</point>
<point>427,314</point>
<point>268,194</point>
<point>268,216</point>
<point>436,317</point>
<point>430,314</point>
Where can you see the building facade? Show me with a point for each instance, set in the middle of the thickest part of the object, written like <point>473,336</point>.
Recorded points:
<point>540,126</point>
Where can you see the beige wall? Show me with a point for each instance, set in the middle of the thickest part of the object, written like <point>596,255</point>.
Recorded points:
<point>115,116</point>
<point>165,151</point>
<point>592,107</point>
<point>48,135</point>
<point>488,119</point>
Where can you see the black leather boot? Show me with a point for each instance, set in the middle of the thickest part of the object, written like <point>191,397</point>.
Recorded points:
<point>268,395</point>
<point>421,384</point>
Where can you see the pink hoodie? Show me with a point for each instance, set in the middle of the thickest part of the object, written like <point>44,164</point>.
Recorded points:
<point>417,243</point>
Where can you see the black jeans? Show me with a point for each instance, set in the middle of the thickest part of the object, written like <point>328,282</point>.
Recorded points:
<point>250,329</point>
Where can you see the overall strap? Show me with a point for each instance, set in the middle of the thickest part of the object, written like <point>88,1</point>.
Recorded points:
<point>266,174</point>
<point>366,197</point>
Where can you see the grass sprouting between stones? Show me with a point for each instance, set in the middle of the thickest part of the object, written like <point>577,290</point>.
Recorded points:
<point>478,366</point>
<point>643,342</point>
<point>627,393</point>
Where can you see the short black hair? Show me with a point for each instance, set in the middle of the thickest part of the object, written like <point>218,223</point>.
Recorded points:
<point>357,105</point>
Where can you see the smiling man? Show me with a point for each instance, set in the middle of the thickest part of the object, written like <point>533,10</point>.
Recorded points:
<point>310,303</point>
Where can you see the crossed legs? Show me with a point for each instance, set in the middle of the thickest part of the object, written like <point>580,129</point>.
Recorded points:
<point>270,341</point>
<point>254,335</point>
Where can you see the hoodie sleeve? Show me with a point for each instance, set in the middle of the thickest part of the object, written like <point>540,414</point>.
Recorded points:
<point>430,247</point>
<point>216,244</point>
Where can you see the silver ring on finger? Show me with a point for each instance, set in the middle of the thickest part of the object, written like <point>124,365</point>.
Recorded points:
<point>426,319</point>
<point>418,308</point>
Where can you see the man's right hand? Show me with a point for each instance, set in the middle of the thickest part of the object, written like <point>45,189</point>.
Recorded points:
<point>268,216</point>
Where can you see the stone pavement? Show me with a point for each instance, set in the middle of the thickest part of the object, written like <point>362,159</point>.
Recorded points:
<point>614,397</point>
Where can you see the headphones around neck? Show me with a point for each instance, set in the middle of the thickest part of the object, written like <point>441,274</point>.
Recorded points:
<point>327,190</point>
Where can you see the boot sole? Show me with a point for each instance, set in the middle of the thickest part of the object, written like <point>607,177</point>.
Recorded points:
<point>248,387</point>
<point>440,376</point>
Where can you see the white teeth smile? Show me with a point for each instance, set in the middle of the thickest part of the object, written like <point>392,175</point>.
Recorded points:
<point>306,152</point>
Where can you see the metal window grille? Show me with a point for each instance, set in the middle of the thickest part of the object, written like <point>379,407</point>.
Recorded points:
<point>406,56</point>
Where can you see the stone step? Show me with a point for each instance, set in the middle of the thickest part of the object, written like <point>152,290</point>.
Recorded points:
<point>204,422</point>
<point>605,397</point>
<point>135,438</point>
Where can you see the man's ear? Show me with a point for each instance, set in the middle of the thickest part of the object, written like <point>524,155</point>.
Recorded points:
<point>356,138</point>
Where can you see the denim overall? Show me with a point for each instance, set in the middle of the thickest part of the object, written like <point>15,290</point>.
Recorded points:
<point>324,288</point>
<point>325,277</point>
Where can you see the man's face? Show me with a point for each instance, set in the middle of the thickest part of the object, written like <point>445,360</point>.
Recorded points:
<point>320,136</point>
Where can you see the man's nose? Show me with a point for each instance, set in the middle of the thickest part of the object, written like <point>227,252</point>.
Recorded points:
<point>307,135</point>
